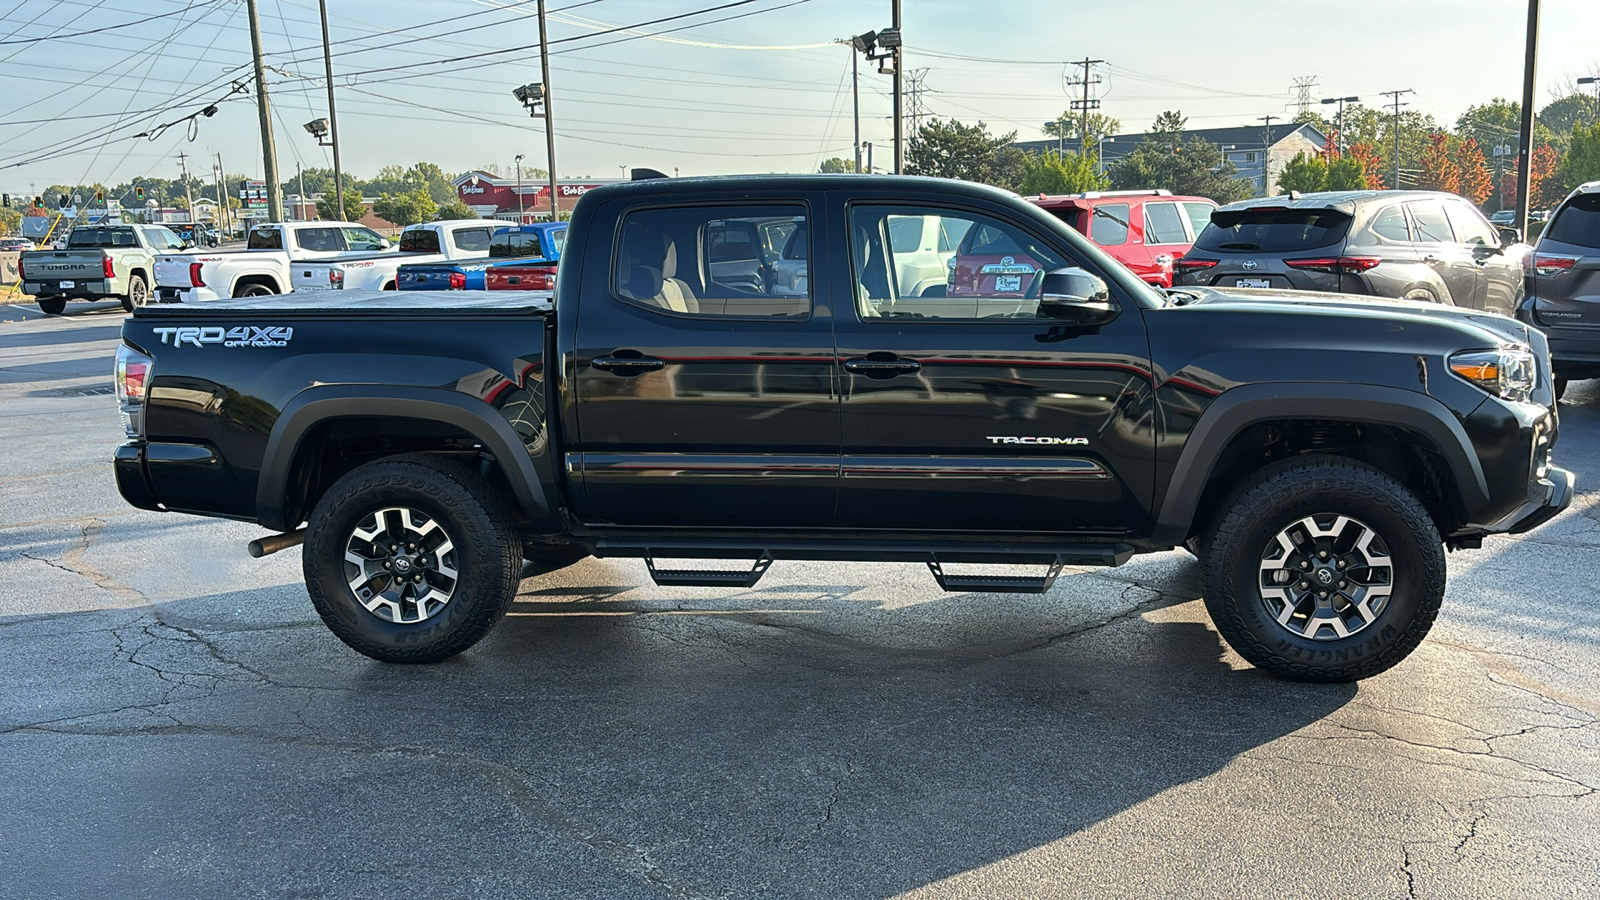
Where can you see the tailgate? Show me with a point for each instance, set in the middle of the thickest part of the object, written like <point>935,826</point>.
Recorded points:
<point>64,265</point>
<point>173,271</point>
<point>310,276</point>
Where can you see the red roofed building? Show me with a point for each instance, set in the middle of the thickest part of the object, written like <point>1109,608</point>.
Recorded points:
<point>496,197</point>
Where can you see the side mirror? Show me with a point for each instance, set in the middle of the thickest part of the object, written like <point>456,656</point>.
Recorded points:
<point>1076,295</point>
<point>384,244</point>
<point>1509,235</point>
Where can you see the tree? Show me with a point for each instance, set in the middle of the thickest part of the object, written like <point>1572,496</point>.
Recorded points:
<point>1070,122</point>
<point>1371,165</point>
<point>354,209</point>
<point>1051,173</point>
<point>1476,184</point>
<point>10,220</point>
<point>1583,157</point>
<point>953,150</point>
<point>1305,174</point>
<point>1346,174</point>
<point>1540,168</point>
<point>837,165</point>
<point>1330,150</point>
<point>455,209</point>
<point>1439,171</point>
<point>408,208</point>
<point>1564,115</point>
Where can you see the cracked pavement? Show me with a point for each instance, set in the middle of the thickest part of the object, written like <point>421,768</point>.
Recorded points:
<point>176,722</point>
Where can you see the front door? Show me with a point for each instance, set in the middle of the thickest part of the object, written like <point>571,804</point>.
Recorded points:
<point>964,409</point>
<point>702,401</point>
<point>1452,260</point>
<point>1499,273</point>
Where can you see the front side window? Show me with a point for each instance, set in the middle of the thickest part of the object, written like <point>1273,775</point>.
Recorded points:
<point>1431,225</point>
<point>1163,224</point>
<point>708,261</point>
<point>995,270</point>
<point>1469,226</point>
<point>472,240</point>
<point>1109,226</point>
<point>1199,216</point>
<point>319,240</point>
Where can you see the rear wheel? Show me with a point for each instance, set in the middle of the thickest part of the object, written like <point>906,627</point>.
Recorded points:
<point>138,293</point>
<point>411,559</point>
<point>253,289</point>
<point>53,306</point>
<point>1323,569</point>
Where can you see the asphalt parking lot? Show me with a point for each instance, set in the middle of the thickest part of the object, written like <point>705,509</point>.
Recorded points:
<point>176,722</point>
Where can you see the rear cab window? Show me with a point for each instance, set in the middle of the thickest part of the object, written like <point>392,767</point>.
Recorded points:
<point>100,237</point>
<point>712,260</point>
<point>515,245</point>
<point>265,239</point>
<point>472,240</point>
<point>1272,229</point>
<point>319,240</point>
<point>419,240</point>
<point>1577,222</point>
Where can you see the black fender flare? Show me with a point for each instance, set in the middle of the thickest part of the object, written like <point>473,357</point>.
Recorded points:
<point>1241,407</point>
<point>321,403</point>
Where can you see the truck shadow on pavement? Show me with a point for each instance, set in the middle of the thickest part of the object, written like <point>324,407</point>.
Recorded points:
<point>793,743</point>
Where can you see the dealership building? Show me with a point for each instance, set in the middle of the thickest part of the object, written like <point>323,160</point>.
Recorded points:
<point>497,197</point>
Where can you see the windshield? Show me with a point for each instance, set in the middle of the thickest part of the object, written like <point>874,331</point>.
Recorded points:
<point>120,236</point>
<point>1269,229</point>
<point>1577,223</point>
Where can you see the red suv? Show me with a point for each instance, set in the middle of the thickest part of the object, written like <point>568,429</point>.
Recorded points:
<point>1143,230</point>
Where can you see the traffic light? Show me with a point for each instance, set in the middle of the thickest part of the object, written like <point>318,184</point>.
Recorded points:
<point>65,201</point>
<point>38,202</point>
<point>7,200</point>
<point>138,193</point>
<point>99,196</point>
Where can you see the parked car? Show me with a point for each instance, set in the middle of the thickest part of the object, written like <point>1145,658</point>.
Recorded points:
<point>537,244</point>
<point>533,273</point>
<point>15,243</point>
<point>1563,278</point>
<point>263,267</point>
<point>1144,230</point>
<point>422,243</point>
<point>99,262</point>
<point>1414,245</point>
<point>1503,218</point>
<point>1318,453</point>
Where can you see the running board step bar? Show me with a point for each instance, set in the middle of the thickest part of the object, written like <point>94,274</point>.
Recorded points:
<point>708,577</point>
<point>995,584</point>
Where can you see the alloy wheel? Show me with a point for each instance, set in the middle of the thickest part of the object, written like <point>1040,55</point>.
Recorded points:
<point>1326,577</point>
<point>401,565</point>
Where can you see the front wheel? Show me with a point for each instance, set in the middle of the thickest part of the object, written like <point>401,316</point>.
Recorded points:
<point>1323,569</point>
<point>1560,386</point>
<point>411,559</point>
<point>138,293</point>
<point>52,306</point>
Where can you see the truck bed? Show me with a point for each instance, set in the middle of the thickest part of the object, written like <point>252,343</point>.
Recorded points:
<point>383,303</point>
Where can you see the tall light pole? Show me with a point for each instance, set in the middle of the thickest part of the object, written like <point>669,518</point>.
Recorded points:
<point>1525,150</point>
<point>1594,114</point>
<point>899,123</point>
<point>549,121</point>
<point>269,151</point>
<point>333,117</point>
<point>518,162</point>
<point>1060,126</point>
<point>1338,138</point>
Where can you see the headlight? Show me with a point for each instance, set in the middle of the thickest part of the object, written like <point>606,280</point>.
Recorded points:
<point>1508,373</point>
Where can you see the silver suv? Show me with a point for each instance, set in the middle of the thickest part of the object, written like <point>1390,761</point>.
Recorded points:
<point>1564,286</point>
<point>1414,245</point>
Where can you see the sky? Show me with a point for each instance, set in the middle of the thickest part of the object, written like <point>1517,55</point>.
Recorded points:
<point>757,86</point>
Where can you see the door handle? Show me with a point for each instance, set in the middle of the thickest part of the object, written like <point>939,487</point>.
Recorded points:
<point>887,366</point>
<point>1430,260</point>
<point>627,365</point>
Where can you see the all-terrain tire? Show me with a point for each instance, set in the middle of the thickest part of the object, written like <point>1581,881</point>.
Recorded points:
<point>1560,386</point>
<point>487,556</point>
<point>1272,501</point>
<point>138,293</point>
<point>253,289</point>
<point>52,306</point>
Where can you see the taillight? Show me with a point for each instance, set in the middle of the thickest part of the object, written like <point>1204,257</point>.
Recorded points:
<point>1547,263</point>
<point>132,380</point>
<point>458,281</point>
<point>540,279</point>
<point>1189,264</point>
<point>1334,263</point>
<point>110,272</point>
<point>336,278</point>
<point>194,276</point>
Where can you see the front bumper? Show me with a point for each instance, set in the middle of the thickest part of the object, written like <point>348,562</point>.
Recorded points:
<point>1549,492</point>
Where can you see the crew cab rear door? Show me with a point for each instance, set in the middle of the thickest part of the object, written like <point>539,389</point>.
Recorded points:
<point>964,408</point>
<point>699,401</point>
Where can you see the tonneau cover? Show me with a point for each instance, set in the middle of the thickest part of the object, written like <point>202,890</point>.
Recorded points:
<point>378,303</point>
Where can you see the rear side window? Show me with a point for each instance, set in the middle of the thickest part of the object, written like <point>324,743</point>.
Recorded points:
<point>706,261</point>
<point>266,239</point>
<point>1273,229</point>
<point>319,240</point>
<point>1110,225</point>
<point>421,240</point>
<point>1432,227</point>
<point>559,238</point>
<point>1163,224</point>
<point>515,245</point>
<point>101,237</point>
<point>1577,223</point>
<point>475,240</point>
<point>1390,224</point>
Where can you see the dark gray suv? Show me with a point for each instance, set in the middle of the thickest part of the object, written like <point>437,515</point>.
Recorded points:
<point>1415,245</point>
<point>1563,297</point>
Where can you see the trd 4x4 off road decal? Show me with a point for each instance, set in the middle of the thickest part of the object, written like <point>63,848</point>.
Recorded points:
<point>238,336</point>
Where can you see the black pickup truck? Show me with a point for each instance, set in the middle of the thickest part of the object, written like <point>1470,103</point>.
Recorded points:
<point>1030,401</point>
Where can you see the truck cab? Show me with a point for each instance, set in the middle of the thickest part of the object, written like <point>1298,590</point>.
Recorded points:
<point>426,242</point>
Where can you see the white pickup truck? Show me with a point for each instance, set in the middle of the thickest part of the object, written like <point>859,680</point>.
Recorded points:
<point>427,242</point>
<point>264,266</point>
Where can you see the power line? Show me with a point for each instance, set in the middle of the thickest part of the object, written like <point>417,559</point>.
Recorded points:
<point>1302,87</point>
<point>1396,129</point>
<point>76,34</point>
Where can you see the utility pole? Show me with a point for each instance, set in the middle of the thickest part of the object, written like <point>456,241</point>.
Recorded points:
<point>1266,150</point>
<point>333,117</point>
<point>899,67</point>
<point>1302,93</point>
<point>188,196</point>
<point>520,213</point>
<point>549,114</point>
<point>222,201</point>
<point>1338,129</point>
<point>1395,127</point>
<point>222,193</point>
<point>300,176</point>
<point>1085,104</point>
<point>869,157</point>
<point>269,151</point>
<point>855,95</point>
<point>1525,151</point>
